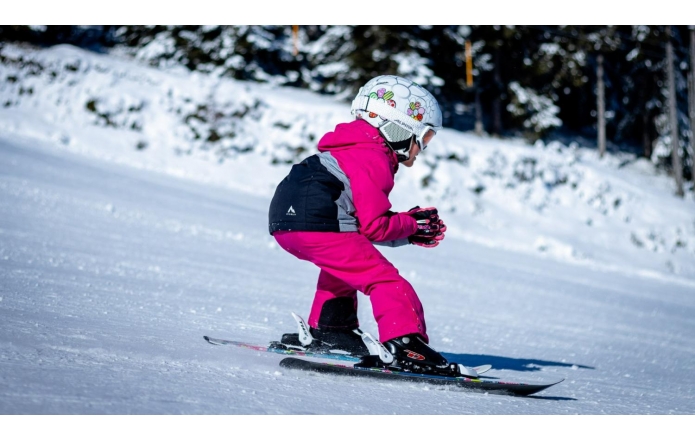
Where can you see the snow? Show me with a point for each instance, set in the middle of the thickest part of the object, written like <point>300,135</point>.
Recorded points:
<point>115,260</point>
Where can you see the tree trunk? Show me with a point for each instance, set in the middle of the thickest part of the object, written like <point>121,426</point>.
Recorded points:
<point>497,99</point>
<point>646,138</point>
<point>691,104</point>
<point>646,121</point>
<point>673,116</point>
<point>601,106</point>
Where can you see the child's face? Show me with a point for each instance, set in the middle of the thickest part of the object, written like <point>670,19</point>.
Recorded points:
<point>415,148</point>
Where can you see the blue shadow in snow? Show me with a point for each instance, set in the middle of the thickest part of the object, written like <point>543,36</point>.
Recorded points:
<point>506,363</point>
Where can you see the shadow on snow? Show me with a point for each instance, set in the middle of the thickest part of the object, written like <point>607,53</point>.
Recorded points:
<point>506,363</point>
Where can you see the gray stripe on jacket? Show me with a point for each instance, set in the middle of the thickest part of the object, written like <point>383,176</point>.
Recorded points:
<point>346,209</point>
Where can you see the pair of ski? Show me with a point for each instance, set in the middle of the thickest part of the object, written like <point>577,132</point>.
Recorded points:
<point>348,365</point>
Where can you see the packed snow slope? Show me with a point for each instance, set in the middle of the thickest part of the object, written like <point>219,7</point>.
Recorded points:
<point>116,259</point>
<point>112,275</point>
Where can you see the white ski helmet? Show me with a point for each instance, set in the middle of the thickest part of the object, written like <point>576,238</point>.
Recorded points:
<point>400,109</point>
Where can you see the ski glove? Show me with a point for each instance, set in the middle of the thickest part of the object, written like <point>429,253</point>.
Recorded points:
<point>430,229</point>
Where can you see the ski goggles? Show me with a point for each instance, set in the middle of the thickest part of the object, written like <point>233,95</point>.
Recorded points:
<point>420,139</point>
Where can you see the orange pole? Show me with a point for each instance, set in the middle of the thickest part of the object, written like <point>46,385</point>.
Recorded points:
<point>295,38</point>
<point>469,64</point>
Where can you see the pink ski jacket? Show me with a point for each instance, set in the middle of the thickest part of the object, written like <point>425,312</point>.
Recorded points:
<point>370,166</point>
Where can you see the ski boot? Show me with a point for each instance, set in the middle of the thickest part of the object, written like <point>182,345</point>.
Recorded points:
<point>412,354</point>
<point>326,341</point>
<point>322,340</point>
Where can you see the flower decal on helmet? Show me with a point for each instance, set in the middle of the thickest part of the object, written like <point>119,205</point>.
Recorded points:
<point>416,110</point>
<point>382,95</point>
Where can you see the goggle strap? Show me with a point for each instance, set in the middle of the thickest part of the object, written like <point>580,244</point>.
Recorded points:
<point>363,102</point>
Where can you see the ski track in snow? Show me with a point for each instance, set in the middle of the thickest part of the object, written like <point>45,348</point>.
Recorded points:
<point>111,275</point>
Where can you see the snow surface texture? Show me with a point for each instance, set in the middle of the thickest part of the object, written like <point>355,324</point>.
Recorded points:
<point>127,233</point>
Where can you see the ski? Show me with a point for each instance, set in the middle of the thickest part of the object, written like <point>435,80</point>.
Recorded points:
<point>275,347</point>
<point>492,386</point>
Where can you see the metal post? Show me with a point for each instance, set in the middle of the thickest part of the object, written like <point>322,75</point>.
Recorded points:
<point>601,106</point>
<point>673,116</point>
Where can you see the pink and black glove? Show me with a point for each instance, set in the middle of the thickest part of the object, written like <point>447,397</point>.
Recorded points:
<point>430,229</point>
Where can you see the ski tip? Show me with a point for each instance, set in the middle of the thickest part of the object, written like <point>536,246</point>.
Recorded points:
<point>480,369</point>
<point>207,338</point>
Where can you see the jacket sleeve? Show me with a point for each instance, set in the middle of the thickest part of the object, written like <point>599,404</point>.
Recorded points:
<point>371,185</point>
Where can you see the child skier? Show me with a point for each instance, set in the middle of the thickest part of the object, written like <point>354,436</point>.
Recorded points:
<point>333,207</point>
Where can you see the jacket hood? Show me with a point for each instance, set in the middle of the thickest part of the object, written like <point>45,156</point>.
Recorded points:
<point>356,135</point>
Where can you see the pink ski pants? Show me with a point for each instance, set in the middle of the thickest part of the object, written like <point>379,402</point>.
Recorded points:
<point>349,262</point>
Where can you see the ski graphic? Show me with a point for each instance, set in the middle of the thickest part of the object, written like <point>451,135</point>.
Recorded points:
<point>486,385</point>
